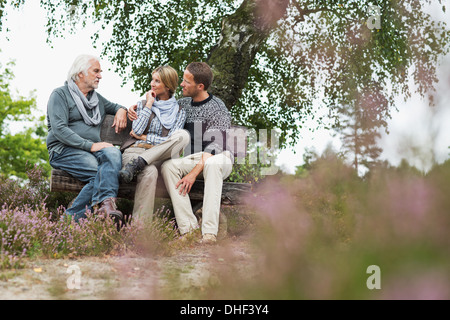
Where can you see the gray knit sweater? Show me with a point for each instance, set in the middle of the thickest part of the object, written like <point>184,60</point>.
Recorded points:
<point>208,122</point>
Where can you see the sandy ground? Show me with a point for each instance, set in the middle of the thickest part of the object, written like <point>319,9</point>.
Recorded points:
<point>183,275</point>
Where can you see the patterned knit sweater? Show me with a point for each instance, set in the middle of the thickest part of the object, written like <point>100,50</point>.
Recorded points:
<point>208,122</point>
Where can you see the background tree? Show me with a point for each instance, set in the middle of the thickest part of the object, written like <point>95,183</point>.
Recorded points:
<point>19,151</point>
<point>275,61</point>
<point>359,128</point>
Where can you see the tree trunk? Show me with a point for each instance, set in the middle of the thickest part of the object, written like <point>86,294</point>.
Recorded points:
<point>243,33</point>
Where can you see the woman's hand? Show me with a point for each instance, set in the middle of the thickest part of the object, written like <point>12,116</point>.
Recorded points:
<point>141,137</point>
<point>151,96</point>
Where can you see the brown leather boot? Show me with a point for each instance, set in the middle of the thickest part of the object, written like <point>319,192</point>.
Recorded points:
<point>109,208</point>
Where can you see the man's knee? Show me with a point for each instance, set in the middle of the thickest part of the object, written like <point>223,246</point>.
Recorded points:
<point>112,155</point>
<point>212,167</point>
<point>215,163</point>
<point>219,165</point>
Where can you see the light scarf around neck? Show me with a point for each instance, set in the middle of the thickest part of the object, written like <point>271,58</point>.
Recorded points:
<point>166,111</point>
<point>83,103</point>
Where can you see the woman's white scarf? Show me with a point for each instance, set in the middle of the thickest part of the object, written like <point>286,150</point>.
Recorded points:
<point>83,103</point>
<point>166,111</point>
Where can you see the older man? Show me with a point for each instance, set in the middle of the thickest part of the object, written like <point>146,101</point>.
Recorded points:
<point>75,113</point>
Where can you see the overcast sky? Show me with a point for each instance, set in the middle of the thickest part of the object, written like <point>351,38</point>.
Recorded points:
<point>417,132</point>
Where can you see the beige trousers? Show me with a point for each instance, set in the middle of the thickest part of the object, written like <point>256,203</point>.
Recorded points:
<point>144,199</point>
<point>217,169</point>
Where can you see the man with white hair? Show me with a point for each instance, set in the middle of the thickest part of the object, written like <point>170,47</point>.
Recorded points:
<point>75,113</point>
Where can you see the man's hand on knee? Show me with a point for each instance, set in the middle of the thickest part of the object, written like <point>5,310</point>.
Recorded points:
<point>184,186</point>
<point>100,146</point>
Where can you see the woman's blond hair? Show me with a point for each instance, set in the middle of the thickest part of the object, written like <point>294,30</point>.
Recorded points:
<point>169,77</point>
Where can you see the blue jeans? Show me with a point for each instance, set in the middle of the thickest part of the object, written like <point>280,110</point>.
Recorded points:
<point>100,171</point>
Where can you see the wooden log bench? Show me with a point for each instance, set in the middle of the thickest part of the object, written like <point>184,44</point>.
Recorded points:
<point>232,193</point>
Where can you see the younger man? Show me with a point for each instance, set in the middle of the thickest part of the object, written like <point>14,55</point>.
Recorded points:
<point>207,120</point>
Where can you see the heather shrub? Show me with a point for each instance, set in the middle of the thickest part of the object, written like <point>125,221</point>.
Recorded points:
<point>29,233</point>
<point>33,192</point>
<point>30,228</point>
<point>320,236</point>
<point>15,193</point>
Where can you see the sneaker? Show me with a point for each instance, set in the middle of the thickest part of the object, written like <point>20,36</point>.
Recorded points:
<point>209,238</point>
<point>191,236</point>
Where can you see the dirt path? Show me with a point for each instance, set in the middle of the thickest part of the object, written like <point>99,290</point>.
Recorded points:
<point>184,275</point>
